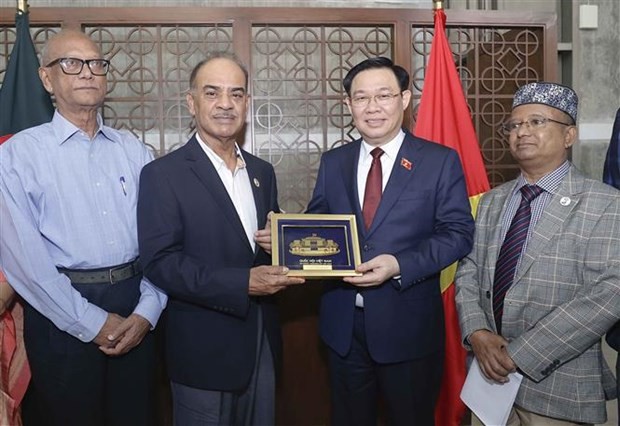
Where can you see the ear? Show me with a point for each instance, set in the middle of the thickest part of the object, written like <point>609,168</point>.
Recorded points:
<point>570,136</point>
<point>347,101</point>
<point>406,98</point>
<point>45,79</point>
<point>190,103</point>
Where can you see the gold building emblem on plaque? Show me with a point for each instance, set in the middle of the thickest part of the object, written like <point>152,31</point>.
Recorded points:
<point>314,246</point>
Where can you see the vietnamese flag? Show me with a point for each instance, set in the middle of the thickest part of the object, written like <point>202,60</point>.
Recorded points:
<point>443,117</point>
<point>24,103</point>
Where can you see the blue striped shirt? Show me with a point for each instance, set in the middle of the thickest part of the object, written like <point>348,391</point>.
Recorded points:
<point>69,201</point>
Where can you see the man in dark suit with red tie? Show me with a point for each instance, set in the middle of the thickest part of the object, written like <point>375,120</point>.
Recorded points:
<point>384,329</point>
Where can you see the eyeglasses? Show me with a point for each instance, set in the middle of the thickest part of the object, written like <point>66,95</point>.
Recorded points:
<point>383,99</point>
<point>533,123</point>
<point>74,66</point>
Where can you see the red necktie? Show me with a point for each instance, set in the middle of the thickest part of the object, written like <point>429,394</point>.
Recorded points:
<point>510,252</point>
<point>374,187</point>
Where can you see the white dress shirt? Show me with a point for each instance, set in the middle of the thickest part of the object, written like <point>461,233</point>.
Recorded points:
<point>388,159</point>
<point>237,184</point>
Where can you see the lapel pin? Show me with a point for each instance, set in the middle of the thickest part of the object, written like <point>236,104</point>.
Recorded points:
<point>405,163</point>
<point>565,201</point>
<point>256,183</point>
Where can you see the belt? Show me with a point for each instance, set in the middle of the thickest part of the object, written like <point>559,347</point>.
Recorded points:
<point>110,275</point>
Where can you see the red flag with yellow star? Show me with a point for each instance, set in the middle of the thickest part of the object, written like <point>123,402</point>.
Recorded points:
<point>443,117</point>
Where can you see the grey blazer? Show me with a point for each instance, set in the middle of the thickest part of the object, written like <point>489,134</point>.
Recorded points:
<point>565,296</point>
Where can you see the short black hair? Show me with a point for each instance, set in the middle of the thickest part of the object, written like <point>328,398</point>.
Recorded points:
<point>402,76</point>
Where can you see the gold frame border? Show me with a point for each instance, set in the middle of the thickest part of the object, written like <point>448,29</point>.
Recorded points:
<point>318,274</point>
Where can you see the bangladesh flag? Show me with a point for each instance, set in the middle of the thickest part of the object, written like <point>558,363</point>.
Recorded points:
<point>24,102</point>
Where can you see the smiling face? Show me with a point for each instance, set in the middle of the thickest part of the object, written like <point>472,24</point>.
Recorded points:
<point>540,150</point>
<point>219,101</point>
<point>73,93</point>
<point>378,124</point>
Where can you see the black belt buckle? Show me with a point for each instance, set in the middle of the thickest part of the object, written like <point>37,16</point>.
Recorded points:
<point>111,273</point>
<point>123,271</point>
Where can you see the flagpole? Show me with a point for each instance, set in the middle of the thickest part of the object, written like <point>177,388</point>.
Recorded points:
<point>22,6</point>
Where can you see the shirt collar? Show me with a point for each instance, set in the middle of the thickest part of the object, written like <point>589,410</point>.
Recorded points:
<point>390,149</point>
<point>217,161</point>
<point>65,129</point>
<point>549,182</point>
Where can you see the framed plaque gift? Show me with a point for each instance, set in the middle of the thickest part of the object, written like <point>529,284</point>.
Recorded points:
<point>315,245</point>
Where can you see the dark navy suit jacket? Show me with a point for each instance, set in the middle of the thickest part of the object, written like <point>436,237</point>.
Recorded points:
<point>194,247</point>
<point>424,220</point>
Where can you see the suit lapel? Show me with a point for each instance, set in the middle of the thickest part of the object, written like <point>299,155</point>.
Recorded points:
<point>497,208</point>
<point>349,172</point>
<point>204,170</point>
<point>404,167</point>
<point>552,219</point>
<point>259,186</point>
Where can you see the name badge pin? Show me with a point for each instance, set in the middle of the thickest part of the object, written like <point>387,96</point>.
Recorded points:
<point>256,183</point>
<point>565,201</point>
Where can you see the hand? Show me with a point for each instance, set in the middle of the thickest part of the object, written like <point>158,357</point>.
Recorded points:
<point>266,280</point>
<point>104,338</point>
<point>263,236</point>
<point>127,335</point>
<point>7,294</point>
<point>491,353</point>
<point>376,271</point>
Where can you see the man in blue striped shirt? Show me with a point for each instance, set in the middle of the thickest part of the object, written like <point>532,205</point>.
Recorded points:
<point>68,245</point>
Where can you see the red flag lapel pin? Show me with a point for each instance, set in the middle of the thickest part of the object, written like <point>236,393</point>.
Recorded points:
<point>406,163</point>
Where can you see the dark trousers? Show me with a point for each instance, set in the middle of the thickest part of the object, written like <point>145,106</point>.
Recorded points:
<point>254,405</point>
<point>74,383</point>
<point>409,389</point>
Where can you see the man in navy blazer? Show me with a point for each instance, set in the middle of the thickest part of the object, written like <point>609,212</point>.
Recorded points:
<point>200,210</point>
<point>385,329</point>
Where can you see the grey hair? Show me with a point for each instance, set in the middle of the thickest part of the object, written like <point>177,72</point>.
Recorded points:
<point>217,55</point>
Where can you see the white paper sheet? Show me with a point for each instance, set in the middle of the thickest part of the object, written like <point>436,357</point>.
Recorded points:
<point>490,401</point>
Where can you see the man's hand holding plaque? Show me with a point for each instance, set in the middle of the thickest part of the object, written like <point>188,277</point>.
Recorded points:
<point>375,272</point>
<point>262,237</point>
